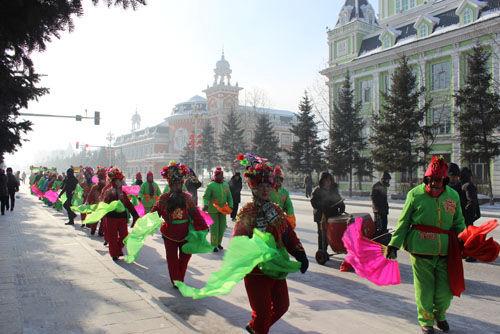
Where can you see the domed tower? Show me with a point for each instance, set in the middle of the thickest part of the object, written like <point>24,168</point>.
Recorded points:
<point>356,21</point>
<point>222,96</point>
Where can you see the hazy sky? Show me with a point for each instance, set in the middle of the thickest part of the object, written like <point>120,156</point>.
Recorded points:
<point>164,53</point>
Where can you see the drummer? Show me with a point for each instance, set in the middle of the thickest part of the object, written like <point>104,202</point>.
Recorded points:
<point>327,203</point>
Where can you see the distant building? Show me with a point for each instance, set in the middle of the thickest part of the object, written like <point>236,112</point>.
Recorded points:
<point>436,36</point>
<point>153,147</point>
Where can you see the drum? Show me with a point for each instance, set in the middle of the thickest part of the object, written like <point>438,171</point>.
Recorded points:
<point>335,229</point>
<point>369,227</point>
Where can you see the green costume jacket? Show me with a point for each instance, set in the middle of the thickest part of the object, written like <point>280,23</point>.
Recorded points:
<point>144,194</point>
<point>219,192</point>
<point>422,209</point>
<point>282,198</point>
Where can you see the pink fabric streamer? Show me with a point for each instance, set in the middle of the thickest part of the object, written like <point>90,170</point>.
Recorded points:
<point>37,192</point>
<point>206,217</point>
<point>367,257</point>
<point>131,190</point>
<point>51,196</point>
<point>95,179</point>
<point>141,211</point>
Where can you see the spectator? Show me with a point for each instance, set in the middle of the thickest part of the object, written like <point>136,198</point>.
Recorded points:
<point>4,193</point>
<point>12,187</point>
<point>235,185</point>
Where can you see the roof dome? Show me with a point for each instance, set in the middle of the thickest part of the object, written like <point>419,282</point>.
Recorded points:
<point>356,10</point>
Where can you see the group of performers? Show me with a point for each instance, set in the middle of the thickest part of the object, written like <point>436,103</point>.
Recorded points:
<point>427,228</point>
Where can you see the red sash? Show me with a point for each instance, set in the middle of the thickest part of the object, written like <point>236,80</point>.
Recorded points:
<point>455,265</point>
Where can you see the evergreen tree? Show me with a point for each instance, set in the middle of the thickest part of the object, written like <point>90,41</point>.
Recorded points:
<point>398,128</point>
<point>306,154</point>
<point>346,135</point>
<point>27,26</point>
<point>266,142</point>
<point>231,141</point>
<point>479,113</point>
<point>208,148</point>
<point>188,155</point>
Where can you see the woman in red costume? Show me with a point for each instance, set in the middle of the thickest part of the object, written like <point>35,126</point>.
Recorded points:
<point>268,296</point>
<point>116,222</point>
<point>86,185</point>
<point>178,211</point>
<point>94,196</point>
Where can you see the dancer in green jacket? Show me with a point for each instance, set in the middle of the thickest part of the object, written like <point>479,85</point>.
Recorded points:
<point>428,228</point>
<point>281,196</point>
<point>218,193</point>
<point>149,192</point>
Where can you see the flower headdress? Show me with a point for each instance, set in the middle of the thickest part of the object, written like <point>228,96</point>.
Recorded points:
<point>114,173</point>
<point>174,171</point>
<point>88,171</point>
<point>258,170</point>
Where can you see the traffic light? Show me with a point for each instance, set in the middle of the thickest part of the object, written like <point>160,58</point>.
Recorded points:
<point>97,117</point>
<point>77,145</point>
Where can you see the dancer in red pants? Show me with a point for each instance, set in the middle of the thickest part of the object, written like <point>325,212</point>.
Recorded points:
<point>94,196</point>
<point>116,222</point>
<point>268,296</point>
<point>178,211</point>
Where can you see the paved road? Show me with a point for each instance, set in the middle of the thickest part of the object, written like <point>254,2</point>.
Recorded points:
<point>323,300</point>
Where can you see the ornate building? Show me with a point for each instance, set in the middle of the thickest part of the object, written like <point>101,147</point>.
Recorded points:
<point>436,36</point>
<point>153,147</point>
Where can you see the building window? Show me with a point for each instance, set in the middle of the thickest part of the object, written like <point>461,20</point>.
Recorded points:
<point>386,84</point>
<point>440,76</point>
<point>286,139</point>
<point>366,91</point>
<point>405,5</point>
<point>441,118</point>
<point>479,171</point>
<point>341,48</point>
<point>386,41</point>
<point>423,30</point>
<point>468,16</point>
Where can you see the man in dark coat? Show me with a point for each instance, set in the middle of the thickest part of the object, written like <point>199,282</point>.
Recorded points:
<point>380,204</point>
<point>68,187</point>
<point>454,176</point>
<point>4,193</point>
<point>12,187</point>
<point>469,203</point>
<point>308,185</point>
<point>235,185</point>
<point>192,184</point>
<point>326,202</point>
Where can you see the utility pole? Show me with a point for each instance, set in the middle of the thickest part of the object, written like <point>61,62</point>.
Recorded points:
<point>110,137</point>
<point>197,114</point>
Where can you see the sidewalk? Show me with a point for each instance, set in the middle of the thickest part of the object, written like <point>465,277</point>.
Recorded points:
<point>52,281</point>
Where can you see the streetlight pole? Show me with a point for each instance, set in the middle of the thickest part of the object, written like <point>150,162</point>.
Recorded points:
<point>109,138</point>
<point>196,113</point>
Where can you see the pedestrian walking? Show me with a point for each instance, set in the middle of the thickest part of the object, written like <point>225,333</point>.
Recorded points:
<point>235,185</point>
<point>23,177</point>
<point>4,192</point>
<point>192,184</point>
<point>470,203</point>
<point>138,179</point>
<point>380,205</point>
<point>428,228</point>
<point>217,194</point>
<point>308,185</point>
<point>68,187</point>
<point>12,187</point>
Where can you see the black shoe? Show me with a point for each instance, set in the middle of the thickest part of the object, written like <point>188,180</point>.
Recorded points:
<point>216,250</point>
<point>12,209</point>
<point>249,329</point>
<point>115,258</point>
<point>83,226</point>
<point>427,329</point>
<point>100,234</point>
<point>105,243</point>
<point>443,325</point>
<point>220,247</point>
<point>92,233</point>
<point>470,259</point>
<point>69,223</point>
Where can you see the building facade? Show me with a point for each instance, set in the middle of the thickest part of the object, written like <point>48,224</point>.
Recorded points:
<point>153,147</point>
<point>436,37</point>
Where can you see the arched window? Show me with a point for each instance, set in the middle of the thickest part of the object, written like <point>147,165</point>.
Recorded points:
<point>468,16</point>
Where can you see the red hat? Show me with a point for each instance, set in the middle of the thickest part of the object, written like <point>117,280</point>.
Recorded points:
<point>218,170</point>
<point>101,172</point>
<point>278,172</point>
<point>437,167</point>
<point>138,175</point>
<point>114,173</point>
<point>150,173</point>
<point>88,171</point>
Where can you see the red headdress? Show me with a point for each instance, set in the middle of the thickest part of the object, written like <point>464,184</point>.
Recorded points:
<point>218,171</point>
<point>437,168</point>
<point>138,175</point>
<point>258,170</point>
<point>278,172</point>
<point>150,173</point>
<point>174,172</point>
<point>88,171</point>
<point>101,172</point>
<point>114,173</point>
